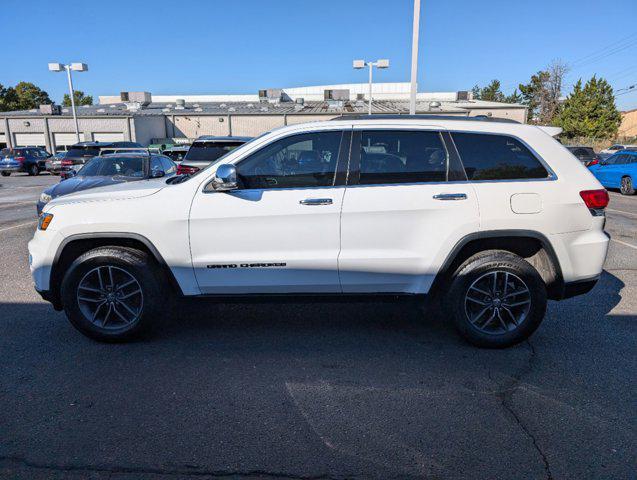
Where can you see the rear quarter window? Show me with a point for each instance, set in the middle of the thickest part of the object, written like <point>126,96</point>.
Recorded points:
<point>497,157</point>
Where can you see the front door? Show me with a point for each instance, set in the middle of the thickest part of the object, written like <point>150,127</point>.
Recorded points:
<point>407,202</point>
<point>279,232</point>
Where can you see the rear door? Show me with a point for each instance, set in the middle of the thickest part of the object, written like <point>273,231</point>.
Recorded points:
<point>406,205</point>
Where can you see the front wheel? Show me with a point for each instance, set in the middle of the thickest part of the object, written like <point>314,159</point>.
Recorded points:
<point>112,294</point>
<point>627,187</point>
<point>5,174</point>
<point>496,299</point>
<point>33,170</point>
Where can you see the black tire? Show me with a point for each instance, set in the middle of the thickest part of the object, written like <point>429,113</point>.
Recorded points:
<point>33,170</point>
<point>465,299</point>
<point>627,187</point>
<point>5,174</point>
<point>121,261</point>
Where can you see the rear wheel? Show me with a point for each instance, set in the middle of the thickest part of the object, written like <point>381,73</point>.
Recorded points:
<point>112,294</point>
<point>497,299</point>
<point>33,170</point>
<point>5,174</point>
<point>627,187</point>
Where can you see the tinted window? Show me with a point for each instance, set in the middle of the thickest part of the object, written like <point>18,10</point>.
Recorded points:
<point>496,157</point>
<point>307,160</point>
<point>132,167</point>
<point>210,151</point>
<point>168,165</point>
<point>82,152</point>
<point>391,156</point>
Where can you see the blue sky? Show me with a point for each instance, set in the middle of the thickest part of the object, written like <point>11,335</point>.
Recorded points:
<point>239,46</point>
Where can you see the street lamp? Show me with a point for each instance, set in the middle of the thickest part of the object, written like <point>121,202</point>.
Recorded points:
<point>78,67</point>
<point>358,64</point>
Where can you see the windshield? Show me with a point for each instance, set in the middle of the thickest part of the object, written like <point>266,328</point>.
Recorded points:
<point>210,151</point>
<point>131,167</point>
<point>78,152</point>
<point>5,152</point>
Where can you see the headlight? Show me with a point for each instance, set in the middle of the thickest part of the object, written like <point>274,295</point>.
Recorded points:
<point>44,221</point>
<point>45,198</point>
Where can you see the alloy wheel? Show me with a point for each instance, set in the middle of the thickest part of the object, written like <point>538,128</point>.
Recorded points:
<point>110,297</point>
<point>497,302</point>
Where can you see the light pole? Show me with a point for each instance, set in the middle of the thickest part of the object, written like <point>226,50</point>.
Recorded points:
<point>414,58</point>
<point>358,64</point>
<point>78,67</point>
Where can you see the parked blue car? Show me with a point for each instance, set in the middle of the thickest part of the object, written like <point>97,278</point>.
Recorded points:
<point>108,170</point>
<point>618,171</point>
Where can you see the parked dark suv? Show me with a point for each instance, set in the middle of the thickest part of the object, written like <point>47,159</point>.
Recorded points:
<point>82,152</point>
<point>31,160</point>
<point>586,155</point>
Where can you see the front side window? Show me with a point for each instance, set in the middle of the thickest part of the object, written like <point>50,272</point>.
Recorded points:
<point>497,157</point>
<point>306,160</point>
<point>394,156</point>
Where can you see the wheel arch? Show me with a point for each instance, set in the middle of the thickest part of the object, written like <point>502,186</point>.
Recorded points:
<point>531,245</point>
<point>75,245</point>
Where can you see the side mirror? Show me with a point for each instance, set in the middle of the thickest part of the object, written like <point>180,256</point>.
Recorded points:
<point>157,173</point>
<point>603,162</point>
<point>225,178</point>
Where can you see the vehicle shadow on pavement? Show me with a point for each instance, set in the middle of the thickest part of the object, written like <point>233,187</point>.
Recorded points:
<point>367,389</point>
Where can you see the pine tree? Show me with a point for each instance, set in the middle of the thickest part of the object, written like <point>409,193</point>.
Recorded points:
<point>590,111</point>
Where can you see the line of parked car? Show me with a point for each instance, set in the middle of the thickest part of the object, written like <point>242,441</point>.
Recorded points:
<point>89,165</point>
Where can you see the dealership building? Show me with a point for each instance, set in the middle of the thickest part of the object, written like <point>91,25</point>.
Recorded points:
<point>146,118</point>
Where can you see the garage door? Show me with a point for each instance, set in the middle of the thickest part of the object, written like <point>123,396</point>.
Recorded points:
<point>108,137</point>
<point>62,140</point>
<point>29,140</point>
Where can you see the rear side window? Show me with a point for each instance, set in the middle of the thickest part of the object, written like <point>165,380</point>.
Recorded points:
<point>210,151</point>
<point>392,156</point>
<point>496,157</point>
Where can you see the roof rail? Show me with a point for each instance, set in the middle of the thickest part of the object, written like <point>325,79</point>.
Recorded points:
<point>424,116</point>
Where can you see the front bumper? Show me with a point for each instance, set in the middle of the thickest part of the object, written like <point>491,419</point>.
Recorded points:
<point>48,296</point>
<point>580,287</point>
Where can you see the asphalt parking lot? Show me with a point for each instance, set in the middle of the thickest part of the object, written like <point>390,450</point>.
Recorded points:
<point>316,391</point>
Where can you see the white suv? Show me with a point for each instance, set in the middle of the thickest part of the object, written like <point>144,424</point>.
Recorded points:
<point>491,217</point>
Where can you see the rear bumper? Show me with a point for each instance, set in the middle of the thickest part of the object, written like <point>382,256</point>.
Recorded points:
<point>10,168</point>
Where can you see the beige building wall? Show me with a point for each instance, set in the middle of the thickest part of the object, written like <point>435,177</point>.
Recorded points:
<point>192,126</point>
<point>295,119</point>
<point>517,114</point>
<point>628,127</point>
<point>253,125</point>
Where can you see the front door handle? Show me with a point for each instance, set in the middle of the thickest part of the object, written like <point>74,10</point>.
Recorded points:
<point>316,201</point>
<point>450,196</point>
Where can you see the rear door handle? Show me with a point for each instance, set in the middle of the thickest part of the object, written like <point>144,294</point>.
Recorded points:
<point>316,201</point>
<point>450,196</point>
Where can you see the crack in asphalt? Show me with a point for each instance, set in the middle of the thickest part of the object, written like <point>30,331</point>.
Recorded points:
<point>505,393</point>
<point>191,471</point>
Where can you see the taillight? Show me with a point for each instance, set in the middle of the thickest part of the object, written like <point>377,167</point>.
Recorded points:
<point>20,159</point>
<point>595,199</point>
<point>186,170</point>
<point>593,162</point>
<point>66,163</point>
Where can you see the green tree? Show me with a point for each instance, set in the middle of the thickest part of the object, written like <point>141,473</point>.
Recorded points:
<point>80,99</point>
<point>490,93</point>
<point>30,96</point>
<point>590,111</point>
